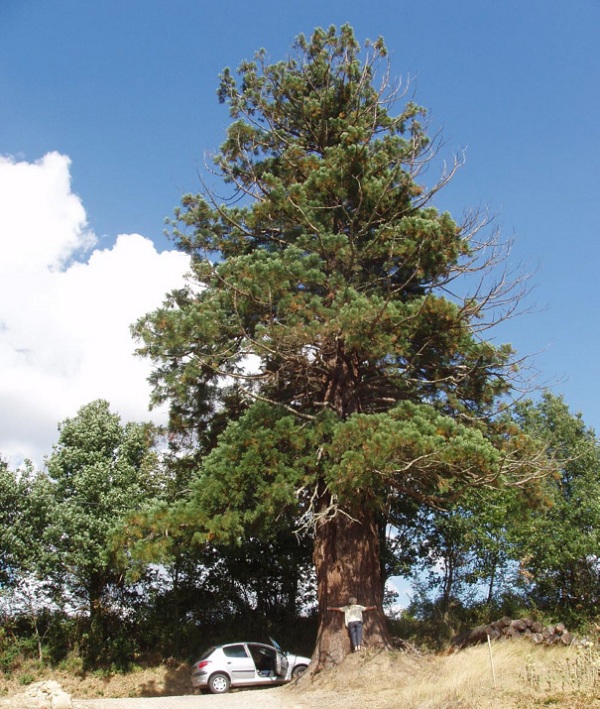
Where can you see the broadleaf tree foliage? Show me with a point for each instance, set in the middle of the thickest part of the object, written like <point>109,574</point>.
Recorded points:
<point>558,538</point>
<point>321,296</point>
<point>99,471</point>
<point>527,550</point>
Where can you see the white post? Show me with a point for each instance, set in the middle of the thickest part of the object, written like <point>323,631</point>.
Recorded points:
<point>491,660</point>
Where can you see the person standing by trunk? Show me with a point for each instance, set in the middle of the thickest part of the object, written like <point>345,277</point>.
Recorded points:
<point>353,619</point>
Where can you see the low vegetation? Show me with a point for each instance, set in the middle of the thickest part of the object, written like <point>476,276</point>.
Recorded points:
<point>513,674</point>
<point>509,674</point>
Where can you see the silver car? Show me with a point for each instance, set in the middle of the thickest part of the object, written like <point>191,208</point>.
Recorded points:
<point>245,665</point>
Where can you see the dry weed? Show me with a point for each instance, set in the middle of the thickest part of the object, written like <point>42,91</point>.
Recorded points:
<point>516,674</point>
<point>509,674</point>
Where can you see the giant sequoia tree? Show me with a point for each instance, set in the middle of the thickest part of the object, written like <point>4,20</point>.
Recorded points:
<point>321,301</point>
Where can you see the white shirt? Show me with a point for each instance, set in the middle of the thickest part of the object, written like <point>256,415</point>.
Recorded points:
<point>353,613</point>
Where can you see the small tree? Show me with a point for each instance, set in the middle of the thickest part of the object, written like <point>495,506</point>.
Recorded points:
<point>558,533</point>
<point>467,558</point>
<point>99,472</point>
<point>322,293</point>
<point>13,548</point>
<point>21,529</point>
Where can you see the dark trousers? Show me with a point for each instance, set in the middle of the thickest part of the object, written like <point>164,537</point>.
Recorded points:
<point>355,630</point>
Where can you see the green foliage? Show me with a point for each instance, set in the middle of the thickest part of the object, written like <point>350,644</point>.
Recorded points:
<point>98,472</point>
<point>529,550</point>
<point>16,541</point>
<point>558,539</point>
<point>378,452</point>
<point>89,529</point>
<point>321,295</point>
<point>466,551</point>
<point>260,463</point>
<point>18,645</point>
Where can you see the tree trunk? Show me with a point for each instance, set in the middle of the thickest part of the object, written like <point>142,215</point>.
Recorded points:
<point>492,581</point>
<point>346,558</point>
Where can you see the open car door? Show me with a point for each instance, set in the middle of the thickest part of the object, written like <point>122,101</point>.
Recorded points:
<point>281,661</point>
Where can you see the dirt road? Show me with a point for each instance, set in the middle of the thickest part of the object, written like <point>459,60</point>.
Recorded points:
<point>264,698</point>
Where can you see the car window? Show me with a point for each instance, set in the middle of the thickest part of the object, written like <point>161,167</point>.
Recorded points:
<point>235,651</point>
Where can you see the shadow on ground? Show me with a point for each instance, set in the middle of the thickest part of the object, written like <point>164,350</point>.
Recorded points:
<point>174,681</point>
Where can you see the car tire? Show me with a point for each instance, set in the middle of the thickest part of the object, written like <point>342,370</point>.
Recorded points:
<point>219,683</point>
<point>298,671</point>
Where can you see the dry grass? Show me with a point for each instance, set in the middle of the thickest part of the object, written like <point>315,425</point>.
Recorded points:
<point>518,674</point>
<point>524,676</point>
<point>163,680</point>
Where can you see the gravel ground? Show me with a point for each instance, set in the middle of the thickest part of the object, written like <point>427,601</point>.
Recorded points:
<point>265,698</point>
<point>242,699</point>
<point>274,698</point>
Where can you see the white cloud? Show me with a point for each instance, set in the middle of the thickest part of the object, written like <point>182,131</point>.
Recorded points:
<point>404,592</point>
<point>64,323</point>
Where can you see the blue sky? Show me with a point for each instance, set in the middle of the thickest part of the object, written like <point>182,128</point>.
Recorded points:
<point>109,108</point>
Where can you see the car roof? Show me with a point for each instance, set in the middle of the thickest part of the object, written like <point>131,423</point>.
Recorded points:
<point>245,642</point>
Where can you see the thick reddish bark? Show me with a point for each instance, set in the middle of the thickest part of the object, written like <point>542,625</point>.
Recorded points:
<point>346,557</point>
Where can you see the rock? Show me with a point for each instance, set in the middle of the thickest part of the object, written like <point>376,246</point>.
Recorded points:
<point>43,695</point>
<point>520,625</point>
<point>512,632</point>
<point>61,700</point>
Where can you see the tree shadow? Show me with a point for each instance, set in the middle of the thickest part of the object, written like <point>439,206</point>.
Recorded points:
<point>176,681</point>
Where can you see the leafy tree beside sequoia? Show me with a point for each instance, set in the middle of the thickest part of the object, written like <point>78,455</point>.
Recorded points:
<point>14,550</point>
<point>322,295</point>
<point>98,473</point>
<point>535,547</point>
<point>558,533</point>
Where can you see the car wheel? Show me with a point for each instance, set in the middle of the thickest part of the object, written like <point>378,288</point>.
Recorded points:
<point>298,671</point>
<point>218,683</point>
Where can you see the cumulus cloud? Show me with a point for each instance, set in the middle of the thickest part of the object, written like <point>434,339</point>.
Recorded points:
<point>66,307</point>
